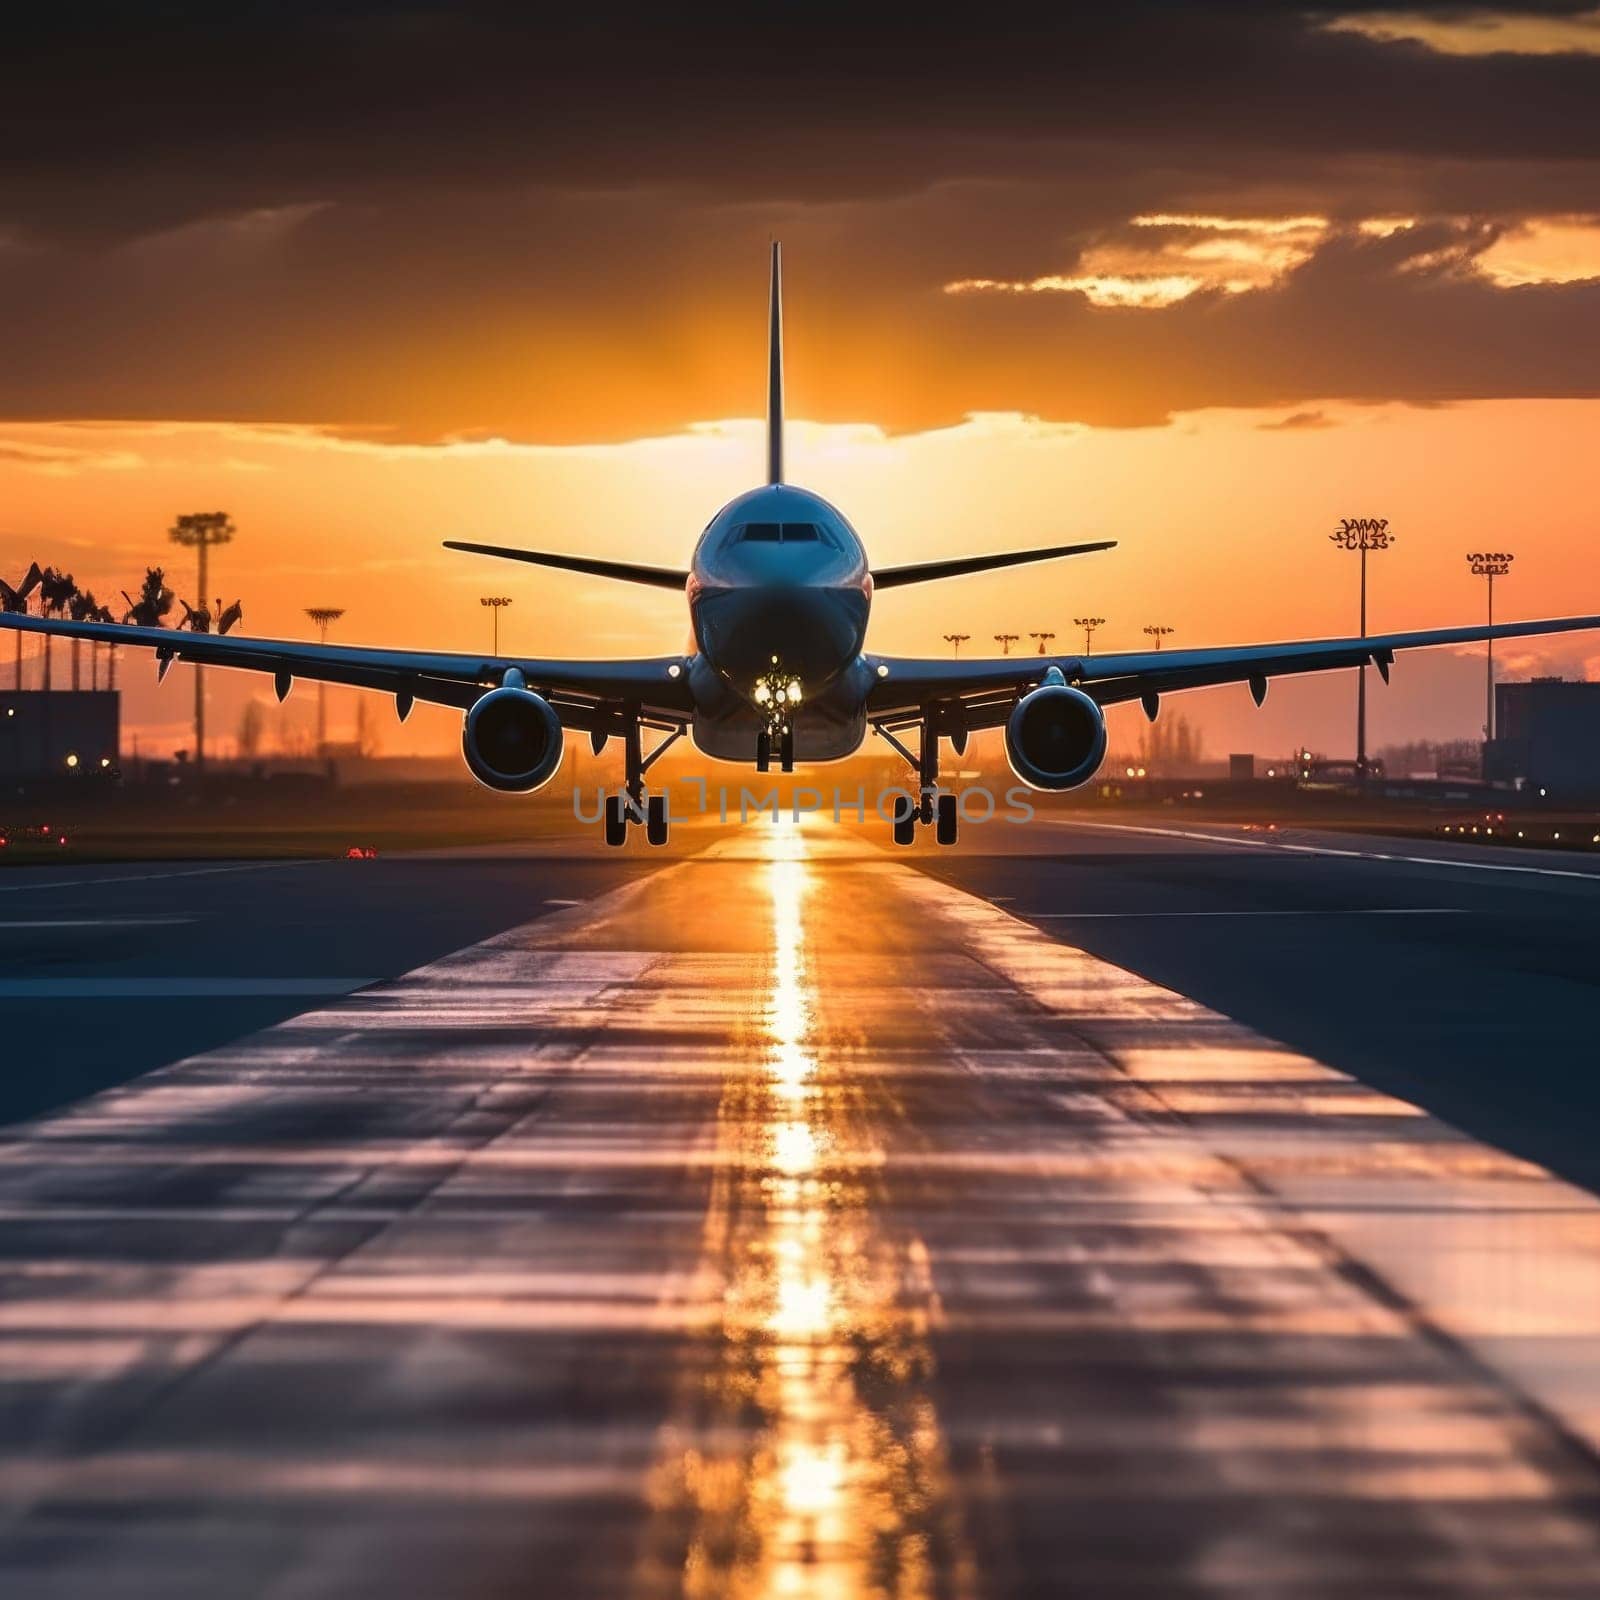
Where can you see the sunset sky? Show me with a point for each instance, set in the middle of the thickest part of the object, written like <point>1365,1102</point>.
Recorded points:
<point>1201,278</point>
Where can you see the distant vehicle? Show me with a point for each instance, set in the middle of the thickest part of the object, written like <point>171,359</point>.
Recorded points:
<point>779,590</point>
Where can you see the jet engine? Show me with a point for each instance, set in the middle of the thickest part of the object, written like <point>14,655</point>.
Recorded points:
<point>512,740</point>
<point>1055,737</point>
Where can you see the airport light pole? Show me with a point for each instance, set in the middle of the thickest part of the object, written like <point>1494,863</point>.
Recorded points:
<point>201,531</point>
<point>1043,638</point>
<point>1158,632</point>
<point>1490,564</point>
<point>1004,640</point>
<point>1363,534</point>
<point>496,603</point>
<point>955,641</point>
<point>323,616</point>
<point>1088,624</point>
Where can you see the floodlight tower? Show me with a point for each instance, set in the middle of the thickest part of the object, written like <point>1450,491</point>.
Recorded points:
<point>1088,624</point>
<point>496,603</point>
<point>955,641</point>
<point>200,531</point>
<point>1363,534</point>
<point>1005,641</point>
<point>1158,632</point>
<point>1490,564</point>
<point>1043,638</point>
<point>323,616</point>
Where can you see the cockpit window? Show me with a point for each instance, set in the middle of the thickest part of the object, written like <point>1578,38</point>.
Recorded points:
<point>786,532</point>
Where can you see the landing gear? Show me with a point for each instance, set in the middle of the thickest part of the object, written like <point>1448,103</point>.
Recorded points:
<point>930,807</point>
<point>655,827</point>
<point>634,804</point>
<point>783,738</point>
<point>905,819</point>
<point>616,820</point>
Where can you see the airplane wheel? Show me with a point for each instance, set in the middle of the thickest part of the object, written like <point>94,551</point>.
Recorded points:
<point>925,810</point>
<point>763,751</point>
<point>655,827</point>
<point>616,820</point>
<point>905,820</point>
<point>948,819</point>
<point>786,751</point>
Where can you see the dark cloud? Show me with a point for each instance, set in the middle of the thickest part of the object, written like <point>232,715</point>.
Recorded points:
<point>483,218</point>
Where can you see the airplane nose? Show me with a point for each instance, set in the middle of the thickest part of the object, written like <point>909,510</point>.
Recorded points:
<point>810,633</point>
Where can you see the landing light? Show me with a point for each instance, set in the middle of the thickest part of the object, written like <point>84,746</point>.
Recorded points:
<point>763,694</point>
<point>72,760</point>
<point>794,691</point>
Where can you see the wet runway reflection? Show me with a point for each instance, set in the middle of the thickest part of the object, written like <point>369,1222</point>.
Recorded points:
<point>817,1467</point>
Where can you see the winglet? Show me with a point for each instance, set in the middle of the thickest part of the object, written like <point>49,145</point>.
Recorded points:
<point>775,369</point>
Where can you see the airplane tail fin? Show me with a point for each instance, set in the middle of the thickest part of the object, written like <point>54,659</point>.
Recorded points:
<point>775,369</point>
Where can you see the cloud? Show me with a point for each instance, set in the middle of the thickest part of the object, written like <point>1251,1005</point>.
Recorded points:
<point>462,222</point>
<point>1482,30</point>
<point>59,462</point>
<point>1298,422</point>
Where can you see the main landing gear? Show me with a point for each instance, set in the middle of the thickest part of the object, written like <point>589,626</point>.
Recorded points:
<point>634,806</point>
<point>933,809</point>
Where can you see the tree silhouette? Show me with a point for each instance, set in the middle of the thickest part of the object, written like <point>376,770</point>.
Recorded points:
<point>56,590</point>
<point>16,602</point>
<point>81,607</point>
<point>154,602</point>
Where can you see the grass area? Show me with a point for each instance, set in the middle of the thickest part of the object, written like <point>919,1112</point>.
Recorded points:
<point>138,827</point>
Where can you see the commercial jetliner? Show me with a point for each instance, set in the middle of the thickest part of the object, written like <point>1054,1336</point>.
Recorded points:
<point>779,590</point>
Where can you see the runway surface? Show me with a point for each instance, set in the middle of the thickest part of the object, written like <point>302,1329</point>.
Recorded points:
<point>787,1220</point>
<point>108,971</point>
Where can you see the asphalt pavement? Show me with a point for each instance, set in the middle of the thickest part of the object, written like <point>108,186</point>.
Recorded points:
<point>780,1218</point>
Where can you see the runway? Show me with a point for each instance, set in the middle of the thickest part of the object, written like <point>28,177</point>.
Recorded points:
<point>786,1219</point>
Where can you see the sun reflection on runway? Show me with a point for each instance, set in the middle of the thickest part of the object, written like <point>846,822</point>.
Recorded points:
<point>836,1488</point>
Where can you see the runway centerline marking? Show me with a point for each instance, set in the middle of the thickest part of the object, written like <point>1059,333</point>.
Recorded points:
<point>1229,840</point>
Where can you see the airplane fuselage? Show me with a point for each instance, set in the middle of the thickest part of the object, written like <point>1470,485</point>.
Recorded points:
<point>779,594</point>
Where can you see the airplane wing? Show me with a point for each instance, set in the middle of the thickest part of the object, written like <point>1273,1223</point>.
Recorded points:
<point>987,688</point>
<point>627,571</point>
<point>580,691</point>
<point>927,571</point>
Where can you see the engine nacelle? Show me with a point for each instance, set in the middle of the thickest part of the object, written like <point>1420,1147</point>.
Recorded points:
<point>512,740</point>
<point>1056,737</point>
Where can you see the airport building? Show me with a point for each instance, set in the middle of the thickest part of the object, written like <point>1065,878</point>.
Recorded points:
<point>1547,738</point>
<point>55,733</point>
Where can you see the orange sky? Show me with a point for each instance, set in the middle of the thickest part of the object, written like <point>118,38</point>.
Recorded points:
<point>1260,266</point>
<point>1223,517</point>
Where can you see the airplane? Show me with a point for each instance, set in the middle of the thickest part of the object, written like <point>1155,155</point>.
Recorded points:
<point>779,591</point>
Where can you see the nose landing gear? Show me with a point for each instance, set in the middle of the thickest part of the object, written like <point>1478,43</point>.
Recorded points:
<point>780,738</point>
